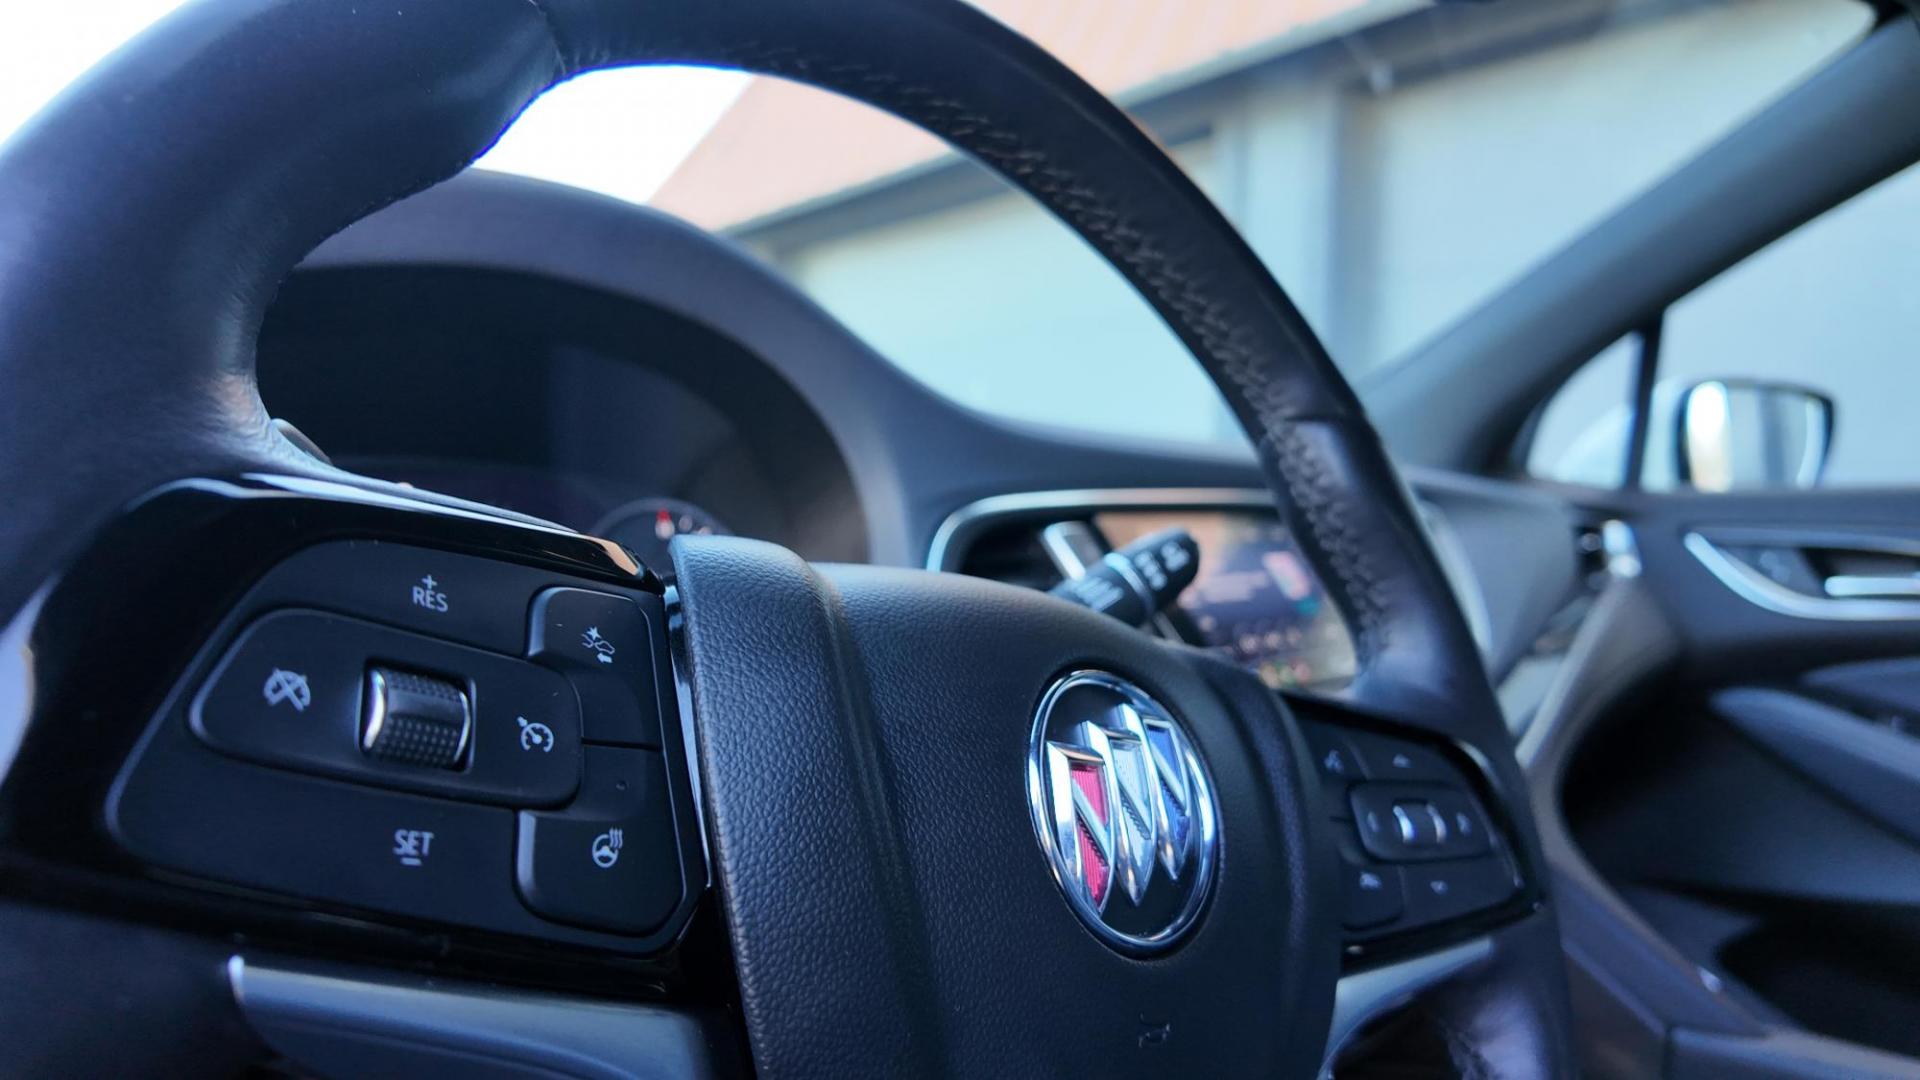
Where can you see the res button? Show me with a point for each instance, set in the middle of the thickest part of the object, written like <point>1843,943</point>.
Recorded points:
<point>456,597</point>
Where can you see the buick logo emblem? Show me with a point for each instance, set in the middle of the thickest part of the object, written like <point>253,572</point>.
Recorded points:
<point>1123,810</point>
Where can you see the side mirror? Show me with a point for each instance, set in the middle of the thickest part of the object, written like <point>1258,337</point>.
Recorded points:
<point>1744,435</point>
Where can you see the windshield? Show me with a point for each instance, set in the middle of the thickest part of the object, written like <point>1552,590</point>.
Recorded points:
<point>1394,164</point>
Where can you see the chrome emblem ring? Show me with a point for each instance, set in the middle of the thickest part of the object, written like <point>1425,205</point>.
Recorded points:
<point>1123,809</point>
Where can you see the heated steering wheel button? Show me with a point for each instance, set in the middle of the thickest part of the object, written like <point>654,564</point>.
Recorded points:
<point>602,642</point>
<point>611,860</point>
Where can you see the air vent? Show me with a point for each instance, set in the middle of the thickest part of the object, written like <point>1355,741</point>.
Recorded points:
<point>1011,553</point>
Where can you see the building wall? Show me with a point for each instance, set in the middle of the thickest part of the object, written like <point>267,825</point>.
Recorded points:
<point>1391,180</point>
<point>1463,179</point>
<point>997,305</point>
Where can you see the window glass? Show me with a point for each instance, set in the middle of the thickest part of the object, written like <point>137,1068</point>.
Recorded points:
<point>1581,436</point>
<point>1831,306</point>
<point>995,305</point>
<point>1826,308</point>
<point>1464,175</point>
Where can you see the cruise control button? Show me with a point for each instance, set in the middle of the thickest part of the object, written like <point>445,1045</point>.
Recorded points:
<point>1448,890</point>
<point>290,692</point>
<point>526,733</point>
<point>603,644</point>
<point>457,597</point>
<point>611,860</point>
<point>289,688</point>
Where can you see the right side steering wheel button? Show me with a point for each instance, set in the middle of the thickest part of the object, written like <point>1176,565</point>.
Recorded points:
<point>1466,826</point>
<point>1384,758</point>
<point>1448,890</point>
<point>611,860</point>
<point>327,694</point>
<point>1416,822</point>
<point>602,642</point>
<point>457,597</point>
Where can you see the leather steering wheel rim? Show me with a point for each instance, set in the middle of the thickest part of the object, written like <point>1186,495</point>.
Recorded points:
<point>264,126</point>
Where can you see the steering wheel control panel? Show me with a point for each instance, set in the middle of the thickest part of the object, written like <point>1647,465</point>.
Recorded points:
<point>430,735</point>
<point>1416,847</point>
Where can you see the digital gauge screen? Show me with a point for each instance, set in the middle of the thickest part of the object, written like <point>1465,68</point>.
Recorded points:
<point>1255,599</point>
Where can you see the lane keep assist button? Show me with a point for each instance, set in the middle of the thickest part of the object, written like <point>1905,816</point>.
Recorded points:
<point>602,643</point>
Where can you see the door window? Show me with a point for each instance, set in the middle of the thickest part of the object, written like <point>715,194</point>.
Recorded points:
<point>1830,308</point>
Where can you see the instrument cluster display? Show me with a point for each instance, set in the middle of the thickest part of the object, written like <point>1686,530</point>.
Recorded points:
<point>1255,598</point>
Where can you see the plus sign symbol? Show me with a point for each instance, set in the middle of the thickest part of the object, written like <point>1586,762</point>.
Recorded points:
<point>427,595</point>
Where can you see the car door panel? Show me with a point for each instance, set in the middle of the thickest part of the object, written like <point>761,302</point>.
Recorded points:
<point>1751,799</point>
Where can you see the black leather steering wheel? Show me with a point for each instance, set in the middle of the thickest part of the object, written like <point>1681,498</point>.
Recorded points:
<point>862,733</point>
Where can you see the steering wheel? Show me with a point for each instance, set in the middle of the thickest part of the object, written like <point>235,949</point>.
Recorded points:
<point>952,827</point>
